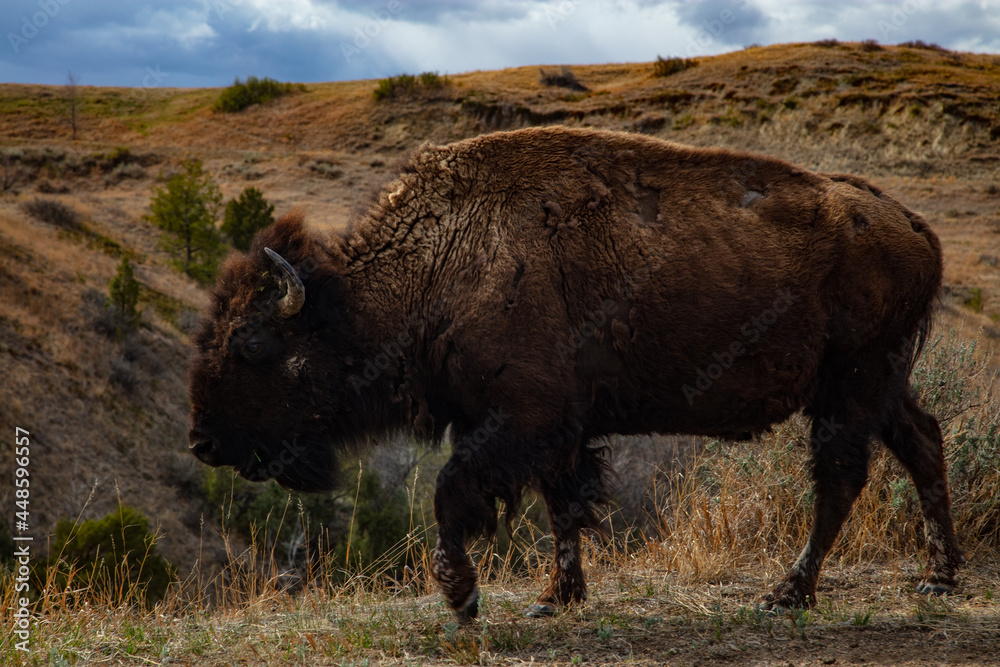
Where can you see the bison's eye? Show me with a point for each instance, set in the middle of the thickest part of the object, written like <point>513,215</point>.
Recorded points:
<point>253,349</point>
<point>256,347</point>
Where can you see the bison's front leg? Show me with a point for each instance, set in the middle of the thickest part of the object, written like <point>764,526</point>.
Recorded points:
<point>566,582</point>
<point>570,498</point>
<point>461,511</point>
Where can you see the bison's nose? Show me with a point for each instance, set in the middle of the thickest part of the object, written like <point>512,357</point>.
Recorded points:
<point>205,451</point>
<point>205,448</point>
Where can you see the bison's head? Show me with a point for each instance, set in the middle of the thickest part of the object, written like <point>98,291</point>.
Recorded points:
<point>262,383</point>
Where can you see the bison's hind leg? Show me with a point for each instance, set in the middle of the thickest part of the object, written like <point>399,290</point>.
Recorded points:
<point>914,437</point>
<point>846,411</point>
<point>839,452</point>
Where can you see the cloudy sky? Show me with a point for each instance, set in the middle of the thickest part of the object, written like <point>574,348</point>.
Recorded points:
<point>209,42</point>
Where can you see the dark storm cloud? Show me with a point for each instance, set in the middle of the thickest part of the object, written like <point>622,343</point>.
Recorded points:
<point>104,44</point>
<point>433,11</point>
<point>954,24</point>
<point>716,23</point>
<point>208,42</point>
<point>957,25</point>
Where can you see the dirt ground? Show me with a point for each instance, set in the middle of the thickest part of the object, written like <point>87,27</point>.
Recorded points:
<point>866,615</point>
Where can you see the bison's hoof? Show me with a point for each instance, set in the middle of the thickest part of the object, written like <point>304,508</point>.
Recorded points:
<point>769,608</point>
<point>470,609</point>
<point>929,588</point>
<point>777,609</point>
<point>540,610</point>
<point>784,599</point>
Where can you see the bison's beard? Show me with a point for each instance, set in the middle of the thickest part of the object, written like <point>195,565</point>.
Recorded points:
<point>308,482</point>
<point>301,464</point>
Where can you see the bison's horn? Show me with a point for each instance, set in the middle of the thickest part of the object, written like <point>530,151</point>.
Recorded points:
<point>295,293</point>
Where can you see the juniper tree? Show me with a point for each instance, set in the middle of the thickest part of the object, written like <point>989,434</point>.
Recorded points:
<point>114,557</point>
<point>185,206</point>
<point>245,216</point>
<point>72,100</point>
<point>123,297</point>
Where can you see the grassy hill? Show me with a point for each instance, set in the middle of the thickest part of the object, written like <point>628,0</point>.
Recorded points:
<point>109,418</point>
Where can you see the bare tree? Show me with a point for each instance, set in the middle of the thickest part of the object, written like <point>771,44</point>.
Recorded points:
<point>72,100</point>
<point>9,174</point>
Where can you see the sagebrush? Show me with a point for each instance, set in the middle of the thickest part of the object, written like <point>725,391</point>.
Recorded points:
<point>667,66</point>
<point>408,85</point>
<point>243,94</point>
<point>53,212</point>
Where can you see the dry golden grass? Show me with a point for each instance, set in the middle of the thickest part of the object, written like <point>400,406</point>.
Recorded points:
<point>641,608</point>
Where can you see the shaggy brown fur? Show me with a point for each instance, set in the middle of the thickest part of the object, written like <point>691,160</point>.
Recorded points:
<point>538,288</point>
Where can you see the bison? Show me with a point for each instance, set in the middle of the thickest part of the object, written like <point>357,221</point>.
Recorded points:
<point>536,289</point>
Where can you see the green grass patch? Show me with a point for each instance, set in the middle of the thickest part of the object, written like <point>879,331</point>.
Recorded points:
<point>95,240</point>
<point>732,118</point>
<point>31,107</point>
<point>362,527</point>
<point>106,244</point>
<point>167,307</point>
<point>684,122</point>
<point>974,301</point>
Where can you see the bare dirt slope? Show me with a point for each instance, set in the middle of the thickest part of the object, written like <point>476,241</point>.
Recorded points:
<point>922,122</point>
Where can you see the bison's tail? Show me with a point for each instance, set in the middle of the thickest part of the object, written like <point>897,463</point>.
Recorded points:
<point>918,340</point>
<point>932,286</point>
